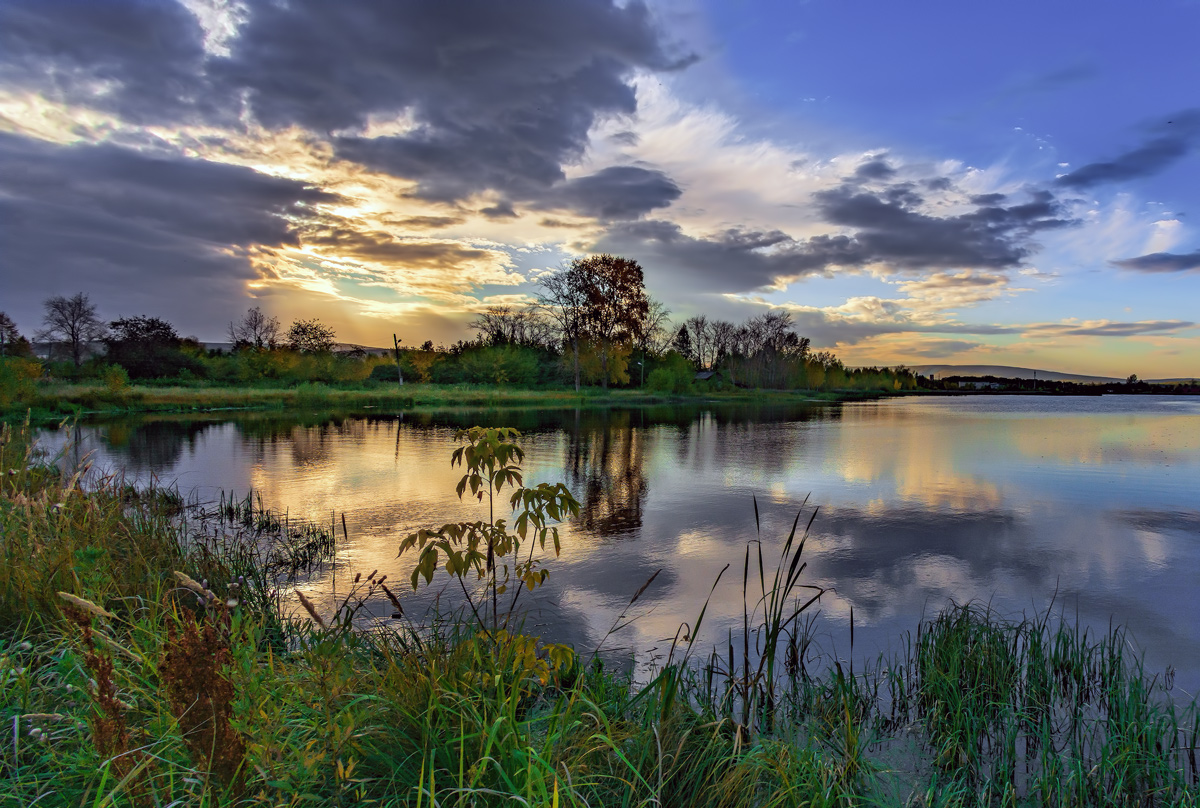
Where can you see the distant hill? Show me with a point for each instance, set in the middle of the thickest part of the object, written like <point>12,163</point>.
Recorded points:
<point>1008,372</point>
<point>338,347</point>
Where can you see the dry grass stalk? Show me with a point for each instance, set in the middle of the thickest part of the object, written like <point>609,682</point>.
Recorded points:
<point>311,609</point>
<point>189,583</point>
<point>85,605</point>
<point>395,601</point>
<point>110,730</point>
<point>193,672</point>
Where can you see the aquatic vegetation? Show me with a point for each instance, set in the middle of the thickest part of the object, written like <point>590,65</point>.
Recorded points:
<point>492,460</point>
<point>169,675</point>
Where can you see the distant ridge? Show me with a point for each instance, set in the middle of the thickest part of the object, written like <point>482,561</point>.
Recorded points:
<point>338,347</point>
<point>1008,372</point>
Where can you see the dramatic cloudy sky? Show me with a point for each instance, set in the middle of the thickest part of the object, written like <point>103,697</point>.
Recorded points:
<point>938,181</point>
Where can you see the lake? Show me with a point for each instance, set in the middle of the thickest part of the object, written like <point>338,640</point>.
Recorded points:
<point>1090,505</point>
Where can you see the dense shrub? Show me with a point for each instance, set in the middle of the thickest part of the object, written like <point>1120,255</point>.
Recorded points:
<point>17,377</point>
<point>505,364</point>
<point>674,375</point>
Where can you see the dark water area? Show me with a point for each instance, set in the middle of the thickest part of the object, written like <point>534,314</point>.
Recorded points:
<point>1090,504</point>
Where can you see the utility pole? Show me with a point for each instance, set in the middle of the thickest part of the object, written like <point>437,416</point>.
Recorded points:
<point>399,372</point>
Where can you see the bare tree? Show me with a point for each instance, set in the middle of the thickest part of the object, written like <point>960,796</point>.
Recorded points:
<point>657,331</point>
<point>653,333</point>
<point>504,325</point>
<point>724,336</point>
<point>71,321</point>
<point>764,347</point>
<point>255,330</point>
<point>564,300</point>
<point>701,337</point>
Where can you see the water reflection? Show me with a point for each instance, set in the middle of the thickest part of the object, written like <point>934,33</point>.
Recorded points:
<point>605,467</point>
<point>1015,501</point>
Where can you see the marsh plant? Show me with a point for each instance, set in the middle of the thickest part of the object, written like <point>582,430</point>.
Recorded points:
<point>140,668</point>
<point>496,552</point>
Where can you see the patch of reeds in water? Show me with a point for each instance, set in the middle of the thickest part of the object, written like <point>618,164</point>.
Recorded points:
<point>174,690</point>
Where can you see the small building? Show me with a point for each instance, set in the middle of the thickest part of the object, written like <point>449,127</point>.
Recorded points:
<point>710,378</point>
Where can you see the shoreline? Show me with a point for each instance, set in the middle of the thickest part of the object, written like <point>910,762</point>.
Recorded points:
<point>76,401</point>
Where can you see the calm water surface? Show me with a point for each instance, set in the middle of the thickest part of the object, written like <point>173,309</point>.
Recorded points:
<point>1007,500</point>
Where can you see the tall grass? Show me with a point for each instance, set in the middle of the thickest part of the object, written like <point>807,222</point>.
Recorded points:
<point>53,401</point>
<point>167,681</point>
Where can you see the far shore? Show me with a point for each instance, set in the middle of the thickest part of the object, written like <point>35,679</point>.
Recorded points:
<point>57,401</point>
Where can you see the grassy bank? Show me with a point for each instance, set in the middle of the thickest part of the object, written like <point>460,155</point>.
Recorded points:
<point>172,677</point>
<point>54,401</point>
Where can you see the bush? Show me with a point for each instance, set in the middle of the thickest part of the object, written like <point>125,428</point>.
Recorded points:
<point>506,364</point>
<point>17,377</point>
<point>115,378</point>
<point>383,373</point>
<point>673,376</point>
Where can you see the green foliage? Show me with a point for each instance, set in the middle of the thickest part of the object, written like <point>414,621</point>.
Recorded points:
<point>115,379</point>
<point>148,347</point>
<point>17,377</point>
<point>384,372</point>
<point>508,365</point>
<point>673,375</point>
<point>157,688</point>
<point>492,461</point>
<point>594,359</point>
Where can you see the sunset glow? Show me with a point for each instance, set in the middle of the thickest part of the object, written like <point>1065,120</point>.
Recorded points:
<point>948,183</point>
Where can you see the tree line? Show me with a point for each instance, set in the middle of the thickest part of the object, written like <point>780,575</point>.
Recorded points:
<point>592,323</point>
<point>594,319</point>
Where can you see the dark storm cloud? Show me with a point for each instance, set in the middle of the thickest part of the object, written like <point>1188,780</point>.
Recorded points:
<point>875,169</point>
<point>619,192</point>
<point>733,261</point>
<point>501,210</point>
<point>988,199</point>
<point>886,229</point>
<point>142,59</point>
<point>1162,262</point>
<point>501,95</point>
<point>428,222</point>
<point>889,230</point>
<point>381,247</point>
<point>828,328</point>
<point>1170,142</point>
<point>132,227</point>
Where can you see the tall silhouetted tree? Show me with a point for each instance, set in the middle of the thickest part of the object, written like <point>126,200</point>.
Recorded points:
<point>255,330</point>
<point>617,305</point>
<point>72,322</point>
<point>11,341</point>
<point>311,336</point>
<point>682,344</point>
<point>147,347</point>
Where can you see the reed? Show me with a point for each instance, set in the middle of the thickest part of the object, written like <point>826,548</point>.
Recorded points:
<point>157,688</point>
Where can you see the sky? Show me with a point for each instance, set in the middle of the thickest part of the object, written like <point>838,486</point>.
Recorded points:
<point>916,183</point>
